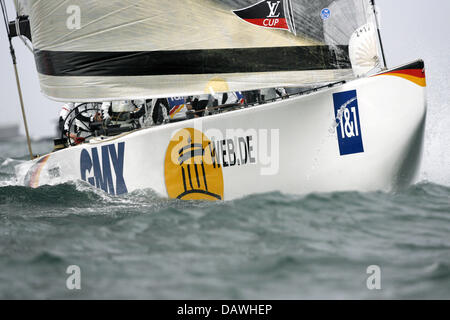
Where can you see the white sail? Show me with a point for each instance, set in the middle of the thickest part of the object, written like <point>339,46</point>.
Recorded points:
<point>110,50</point>
<point>363,50</point>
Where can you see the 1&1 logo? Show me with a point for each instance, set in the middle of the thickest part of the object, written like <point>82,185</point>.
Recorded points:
<point>349,131</point>
<point>191,169</point>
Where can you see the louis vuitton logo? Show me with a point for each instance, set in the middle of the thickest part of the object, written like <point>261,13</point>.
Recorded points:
<point>273,7</point>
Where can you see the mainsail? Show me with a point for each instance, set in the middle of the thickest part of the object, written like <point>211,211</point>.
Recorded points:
<point>111,50</point>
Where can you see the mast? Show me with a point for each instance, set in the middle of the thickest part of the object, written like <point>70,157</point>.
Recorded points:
<point>19,89</point>
<point>379,32</point>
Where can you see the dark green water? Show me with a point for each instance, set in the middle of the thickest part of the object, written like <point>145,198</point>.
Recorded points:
<point>270,246</point>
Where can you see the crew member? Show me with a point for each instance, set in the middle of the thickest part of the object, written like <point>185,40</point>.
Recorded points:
<point>125,112</point>
<point>160,111</point>
<point>199,104</point>
<point>228,98</point>
<point>273,93</point>
<point>63,114</point>
<point>178,107</point>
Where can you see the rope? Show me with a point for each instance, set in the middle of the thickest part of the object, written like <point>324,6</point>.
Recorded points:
<point>19,89</point>
<point>5,17</point>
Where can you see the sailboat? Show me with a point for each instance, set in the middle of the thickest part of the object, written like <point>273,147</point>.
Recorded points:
<point>353,124</point>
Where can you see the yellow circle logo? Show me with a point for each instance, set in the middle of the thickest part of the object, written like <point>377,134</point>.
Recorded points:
<point>191,169</point>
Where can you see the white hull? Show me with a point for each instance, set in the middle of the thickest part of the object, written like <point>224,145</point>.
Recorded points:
<point>296,133</point>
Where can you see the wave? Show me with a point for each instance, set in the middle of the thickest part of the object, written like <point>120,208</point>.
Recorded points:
<point>421,198</point>
<point>74,190</point>
<point>273,242</point>
<point>63,195</point>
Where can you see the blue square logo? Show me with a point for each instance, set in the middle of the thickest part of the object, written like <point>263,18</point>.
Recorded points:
<point>349,125</point>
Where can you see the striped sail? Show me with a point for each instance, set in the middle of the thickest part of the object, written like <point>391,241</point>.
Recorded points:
<point>111,50</point>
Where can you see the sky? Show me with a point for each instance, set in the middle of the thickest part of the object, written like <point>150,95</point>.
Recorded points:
<point>410,29</point>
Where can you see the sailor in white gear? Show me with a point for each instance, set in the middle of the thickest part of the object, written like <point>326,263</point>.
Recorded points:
<point>63,114</point>
<point>116,107</point>
<point>160,111</point>
<point>105,110</point>
<point>125,112</point>
<point>226,98</point>
<point>273,93</point>
<point>281,92</point>
<point>123,106</point>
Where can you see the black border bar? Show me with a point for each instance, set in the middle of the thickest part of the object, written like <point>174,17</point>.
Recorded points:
<point>161,309</point>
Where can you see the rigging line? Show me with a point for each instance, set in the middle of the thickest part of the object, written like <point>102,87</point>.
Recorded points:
<point>5,17</point>
<point>379,32</point>
<point>21,37</point>
<point>6,20</point>
<point>16,73</point>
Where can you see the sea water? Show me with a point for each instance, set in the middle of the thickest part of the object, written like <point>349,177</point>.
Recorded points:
<point>264,246</point>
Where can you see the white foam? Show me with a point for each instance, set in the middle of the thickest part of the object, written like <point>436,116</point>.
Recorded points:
<point>436,160</point>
